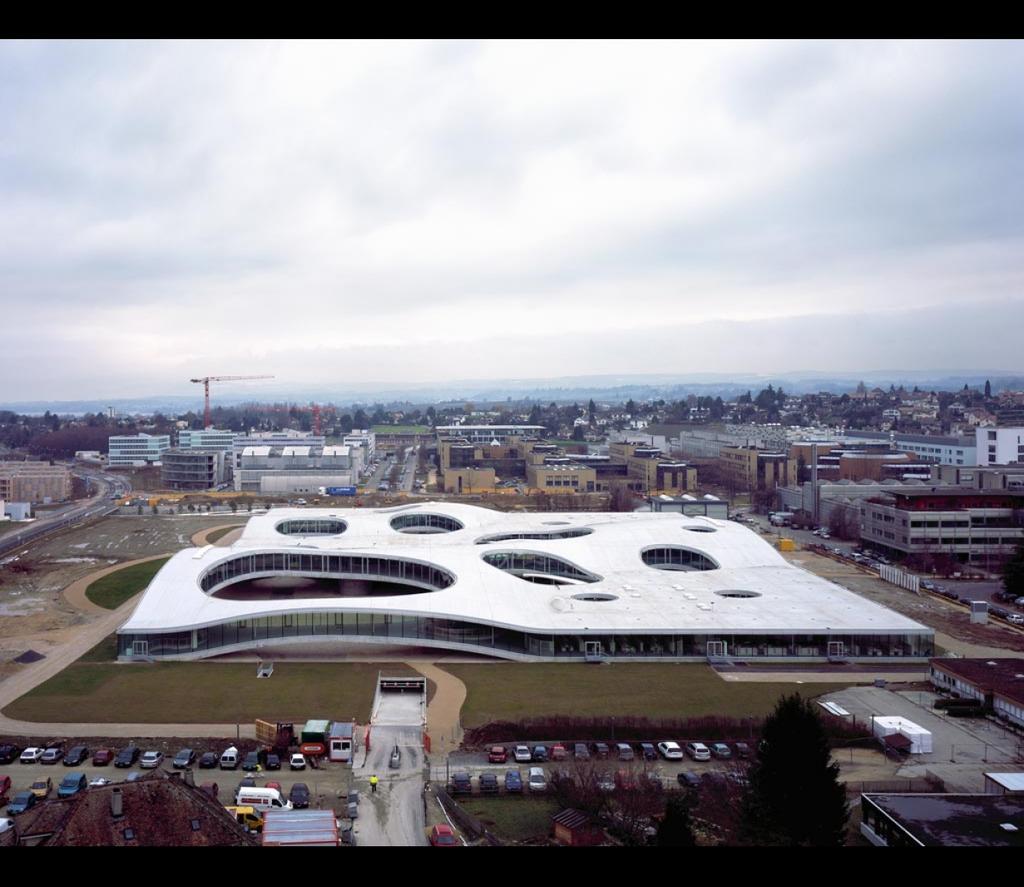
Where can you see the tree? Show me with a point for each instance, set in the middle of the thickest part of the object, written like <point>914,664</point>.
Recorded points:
<point>988,389</point>
<point>676,829</point>
<point>1013,573</point>
<point>591,412</point>
<point>794,796</point>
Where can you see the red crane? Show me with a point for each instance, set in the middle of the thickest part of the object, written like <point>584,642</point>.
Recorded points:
<point>316,419</point>
<point>206,380</point>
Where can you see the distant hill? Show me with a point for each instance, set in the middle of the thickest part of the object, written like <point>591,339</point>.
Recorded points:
<point>562,389</point>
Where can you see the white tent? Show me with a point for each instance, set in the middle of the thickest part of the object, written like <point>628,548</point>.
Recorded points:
<point>920,739</point>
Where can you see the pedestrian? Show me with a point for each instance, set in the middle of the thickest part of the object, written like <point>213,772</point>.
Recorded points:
<point>373,783</point>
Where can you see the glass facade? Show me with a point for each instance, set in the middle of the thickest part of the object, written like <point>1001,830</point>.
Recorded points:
<point>675,557</point>
<point>554,534</point>
<point>425,523</point>
<point>527,562</point>
<point>324,527</point>
<point>341,566</point>
<point>408,630</point>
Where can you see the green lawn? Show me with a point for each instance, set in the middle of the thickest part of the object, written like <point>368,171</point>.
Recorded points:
<point>220,534</point>
<point>515,819</point>
<point>517,691</point>
<point>115,588</point>
<point>94,690</point>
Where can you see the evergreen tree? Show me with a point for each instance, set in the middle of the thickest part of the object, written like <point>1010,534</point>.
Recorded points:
<point>795,797</point>
<point>592,411</point>
<point>988,389</point>
<point>1013,573</point>
<point>676,829</point>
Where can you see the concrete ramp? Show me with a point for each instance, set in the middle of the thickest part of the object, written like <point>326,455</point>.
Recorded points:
<point>400,701</point>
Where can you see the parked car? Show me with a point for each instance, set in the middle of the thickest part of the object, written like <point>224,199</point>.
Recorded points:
<point>743,750</point>
<point>540,753</point>
<point>134,776</point>
<point>625,751</point>
<point>999,611</point>
<point>99,782</point>
<point>102,757</point>
<point>251,760</point>
<point>183,759</point>
<point>299,795</point>
<point>71,785</point>
<point>698,751</point>
<point>513,782</point>
<point>127,756</point>
<point>443,836</point>
<point>522,754</point>
<point>273,761</point>
<point>605,782</point>
<point>396,758</point>
<point>601,749</point>
<point>8,753</point>
<point>31,755</point>
<point>151,760</point>
<point>51,755</point>
<point>297,762</point>
<point>581,751</point>
<point>41,788</point>
<point>498,754</point>
<point>76,755</point>
<point>22,802</point>
<point>1015,618</point>
<point>537,781</point>
<point>461,783</point>
<point>721,750</point>
<point>670,751</point>
<point>688,779</point>
<point>488,784</point>
<point>208,760</point>
<point>559,753</point>
<point>648,751</point>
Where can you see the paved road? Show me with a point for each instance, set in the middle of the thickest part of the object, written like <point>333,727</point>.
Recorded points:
<point>393,816</point>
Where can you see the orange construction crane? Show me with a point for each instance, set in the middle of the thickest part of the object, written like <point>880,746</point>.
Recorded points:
<point>206,380</point>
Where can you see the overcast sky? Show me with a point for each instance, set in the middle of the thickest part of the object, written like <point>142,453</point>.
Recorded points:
<point>407,212</point>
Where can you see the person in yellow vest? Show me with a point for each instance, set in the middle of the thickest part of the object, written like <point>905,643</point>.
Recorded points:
<point>373,783</point>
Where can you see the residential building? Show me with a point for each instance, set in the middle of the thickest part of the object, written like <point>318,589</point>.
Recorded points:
<point>1000,446</point>
<point>34,482</point>
<point>160,810</point>
<point>136,450</point>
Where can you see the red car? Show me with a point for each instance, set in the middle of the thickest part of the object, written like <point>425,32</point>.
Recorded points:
<point>559,753</point>
<point>102,756</point>
<point>443,836</point>
<point>497,755</point>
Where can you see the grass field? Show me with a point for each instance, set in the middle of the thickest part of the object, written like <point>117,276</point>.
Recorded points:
<point>523,690</point>
<point>95,690</point>
<point>220,534</point>
<point>115,588</point>
<point>515,819</point>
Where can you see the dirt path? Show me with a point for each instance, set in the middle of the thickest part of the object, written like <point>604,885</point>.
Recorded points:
<point>74,594</point>
<point>444,713</point>
<point>199,538</point>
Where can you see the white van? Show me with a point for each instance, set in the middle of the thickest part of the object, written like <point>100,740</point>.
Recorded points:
<point>262,799</point>
<point>229,760</point>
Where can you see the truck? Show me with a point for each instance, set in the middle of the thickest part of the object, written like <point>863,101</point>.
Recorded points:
<point>339,491</point>
<point>277,737</point>
<point>781,518</point>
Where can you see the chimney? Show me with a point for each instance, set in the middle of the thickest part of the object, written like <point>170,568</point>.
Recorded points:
<point>116,803</point>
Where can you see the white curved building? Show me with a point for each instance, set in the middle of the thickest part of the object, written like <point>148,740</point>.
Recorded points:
<point>561,587</point>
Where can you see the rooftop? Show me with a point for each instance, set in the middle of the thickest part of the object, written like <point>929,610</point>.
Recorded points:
<point>957,820</point>
<point>1002,676</point>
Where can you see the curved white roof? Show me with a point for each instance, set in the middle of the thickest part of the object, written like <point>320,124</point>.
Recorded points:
<point>787,598</point>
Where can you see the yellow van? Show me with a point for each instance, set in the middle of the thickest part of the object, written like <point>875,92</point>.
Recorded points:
<point>249,817</point>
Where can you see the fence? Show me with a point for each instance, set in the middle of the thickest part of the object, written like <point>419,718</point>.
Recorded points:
<point>465,821</point>
<point>919,784</point>
<point>900,577</point>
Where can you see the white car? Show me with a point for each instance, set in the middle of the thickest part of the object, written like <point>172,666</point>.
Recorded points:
<point>297,762</point>
<point>537,781</point>
<point>6,825</point>
<point>151,759</point>
<point>670,751</point>
<point>1015,618</point>
<point>522,754</point>
<point>698,751</point>
<point>31,755</point>
<point>99,782</point>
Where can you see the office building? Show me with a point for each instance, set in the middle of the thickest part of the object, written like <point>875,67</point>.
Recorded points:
<point>1000,446</point>
<point>38,482</point>
<point>136,450</point>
